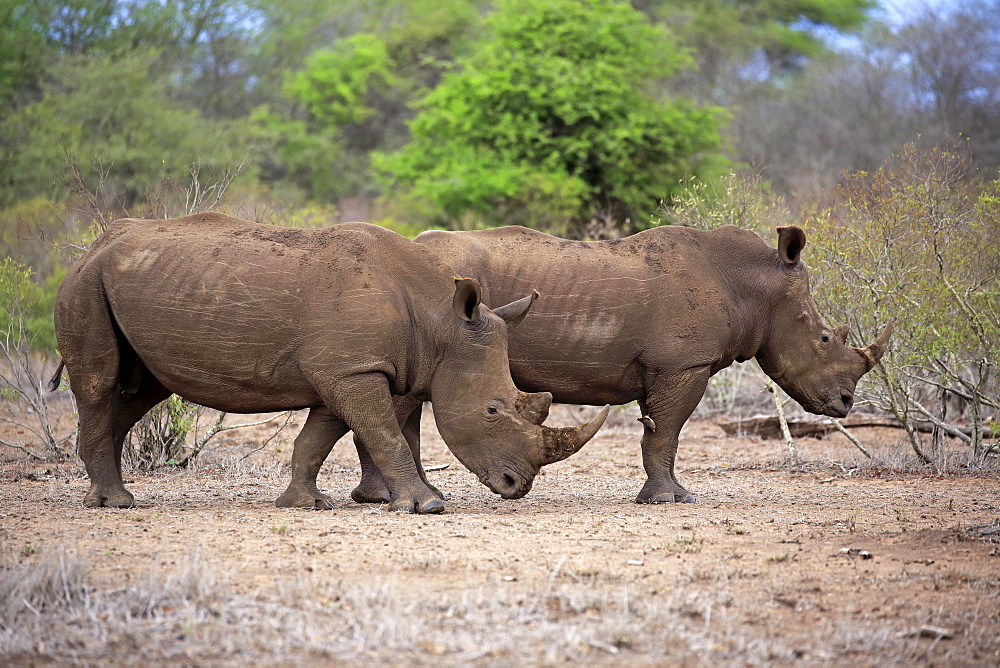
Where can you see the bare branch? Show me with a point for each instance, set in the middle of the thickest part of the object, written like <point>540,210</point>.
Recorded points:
<point>22,449</point>
<point>944,426</point>
<point>779,406</point>
<point>198,198</point>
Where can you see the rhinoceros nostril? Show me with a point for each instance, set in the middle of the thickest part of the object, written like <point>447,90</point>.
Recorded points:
<point>848,400</point>
<point>509,482</point>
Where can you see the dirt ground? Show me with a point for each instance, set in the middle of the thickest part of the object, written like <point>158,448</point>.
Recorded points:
<point>833,561</point>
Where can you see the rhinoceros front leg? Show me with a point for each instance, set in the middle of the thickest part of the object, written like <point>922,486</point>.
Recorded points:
<point>669,403</point>
<point>312,446</point>
<point>385,452</point>
<point>372,488</point>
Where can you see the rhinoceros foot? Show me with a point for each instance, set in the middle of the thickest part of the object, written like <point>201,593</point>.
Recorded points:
<point>670,493</point>
<point>370,493</point>
<point>304,498</point>
<point>428,506</point>
<point>99,497</point>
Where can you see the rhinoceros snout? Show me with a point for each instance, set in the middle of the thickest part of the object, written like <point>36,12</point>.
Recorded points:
<point>838,406</point>
<point>508,484</point>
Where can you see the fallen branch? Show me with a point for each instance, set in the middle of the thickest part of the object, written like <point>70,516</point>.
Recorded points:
<point>768,426</point>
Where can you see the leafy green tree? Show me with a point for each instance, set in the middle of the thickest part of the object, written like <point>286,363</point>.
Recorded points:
<point>22,51</point>
<point>555,121</point>
<point>110,110</point>
<point>739,45</point>
<point>353,94</point>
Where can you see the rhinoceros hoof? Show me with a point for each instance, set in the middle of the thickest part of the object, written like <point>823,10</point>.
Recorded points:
<point>299,499</point>
<point>427,507</point>
<point>362,494</point>
<point>667,497</point>
<point>123,499</point>
<point>432,507</point>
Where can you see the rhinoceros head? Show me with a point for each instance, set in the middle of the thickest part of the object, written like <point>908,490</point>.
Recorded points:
<point>808,359</point>
<point>493,428</point>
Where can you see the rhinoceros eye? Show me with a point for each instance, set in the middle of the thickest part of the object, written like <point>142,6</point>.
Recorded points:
<point>825,339</point>
<point>492,410</point>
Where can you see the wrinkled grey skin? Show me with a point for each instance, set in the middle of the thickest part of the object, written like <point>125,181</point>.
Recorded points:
<point>249,318</point>
<point>650,318</point>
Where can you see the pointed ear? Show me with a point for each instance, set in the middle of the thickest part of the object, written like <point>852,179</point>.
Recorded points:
<point>841,333</point>
<point>791,240</point>
<point>514,312</point>
<point>468,295</point>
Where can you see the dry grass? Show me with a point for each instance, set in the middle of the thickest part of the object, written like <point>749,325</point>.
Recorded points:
<point>51,613</point>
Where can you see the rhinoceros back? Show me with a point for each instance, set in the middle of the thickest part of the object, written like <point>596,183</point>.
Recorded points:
<point>237,313</point>
<point>605,309</point>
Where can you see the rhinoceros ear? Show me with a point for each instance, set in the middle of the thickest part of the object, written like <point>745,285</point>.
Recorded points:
<point>791,240</point>
<point>468,295</point>
<point>514,312</point>
<point>841,333</point>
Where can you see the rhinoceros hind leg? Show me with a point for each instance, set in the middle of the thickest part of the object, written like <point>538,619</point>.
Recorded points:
<point>320,433</point>
<point>129,407</point>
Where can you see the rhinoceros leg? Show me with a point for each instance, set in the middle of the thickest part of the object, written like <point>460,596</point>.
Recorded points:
<point>91,353</point>
<point>113,416</point>
<point>372,488</point>
<point>99,455</point>
<point>669,404</point>
<point>366,404</point>
<point>320,433</point>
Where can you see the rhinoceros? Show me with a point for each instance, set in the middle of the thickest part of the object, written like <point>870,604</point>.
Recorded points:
<point>250,318</point>
<point>649,318</point>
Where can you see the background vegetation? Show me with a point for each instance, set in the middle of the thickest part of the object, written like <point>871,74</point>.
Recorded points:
<point>587,118</point>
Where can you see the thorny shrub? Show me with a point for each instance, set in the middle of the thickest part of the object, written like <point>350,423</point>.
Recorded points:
<point>917,244</point>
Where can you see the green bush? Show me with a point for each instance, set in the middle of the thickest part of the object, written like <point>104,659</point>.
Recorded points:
<point>26,308</point>
<point>917,244</point>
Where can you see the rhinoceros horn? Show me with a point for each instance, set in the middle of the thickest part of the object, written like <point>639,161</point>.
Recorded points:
<point>534,406</point>
<point>873,352</point>
<point>561,442</point>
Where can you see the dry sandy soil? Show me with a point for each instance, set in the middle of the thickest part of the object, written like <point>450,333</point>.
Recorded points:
<point>832,561</point>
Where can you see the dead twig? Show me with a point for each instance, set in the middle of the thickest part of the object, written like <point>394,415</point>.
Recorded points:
<point>217,427</point>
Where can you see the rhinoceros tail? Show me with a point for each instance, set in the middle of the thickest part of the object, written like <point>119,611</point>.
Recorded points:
<point>56,378</point>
